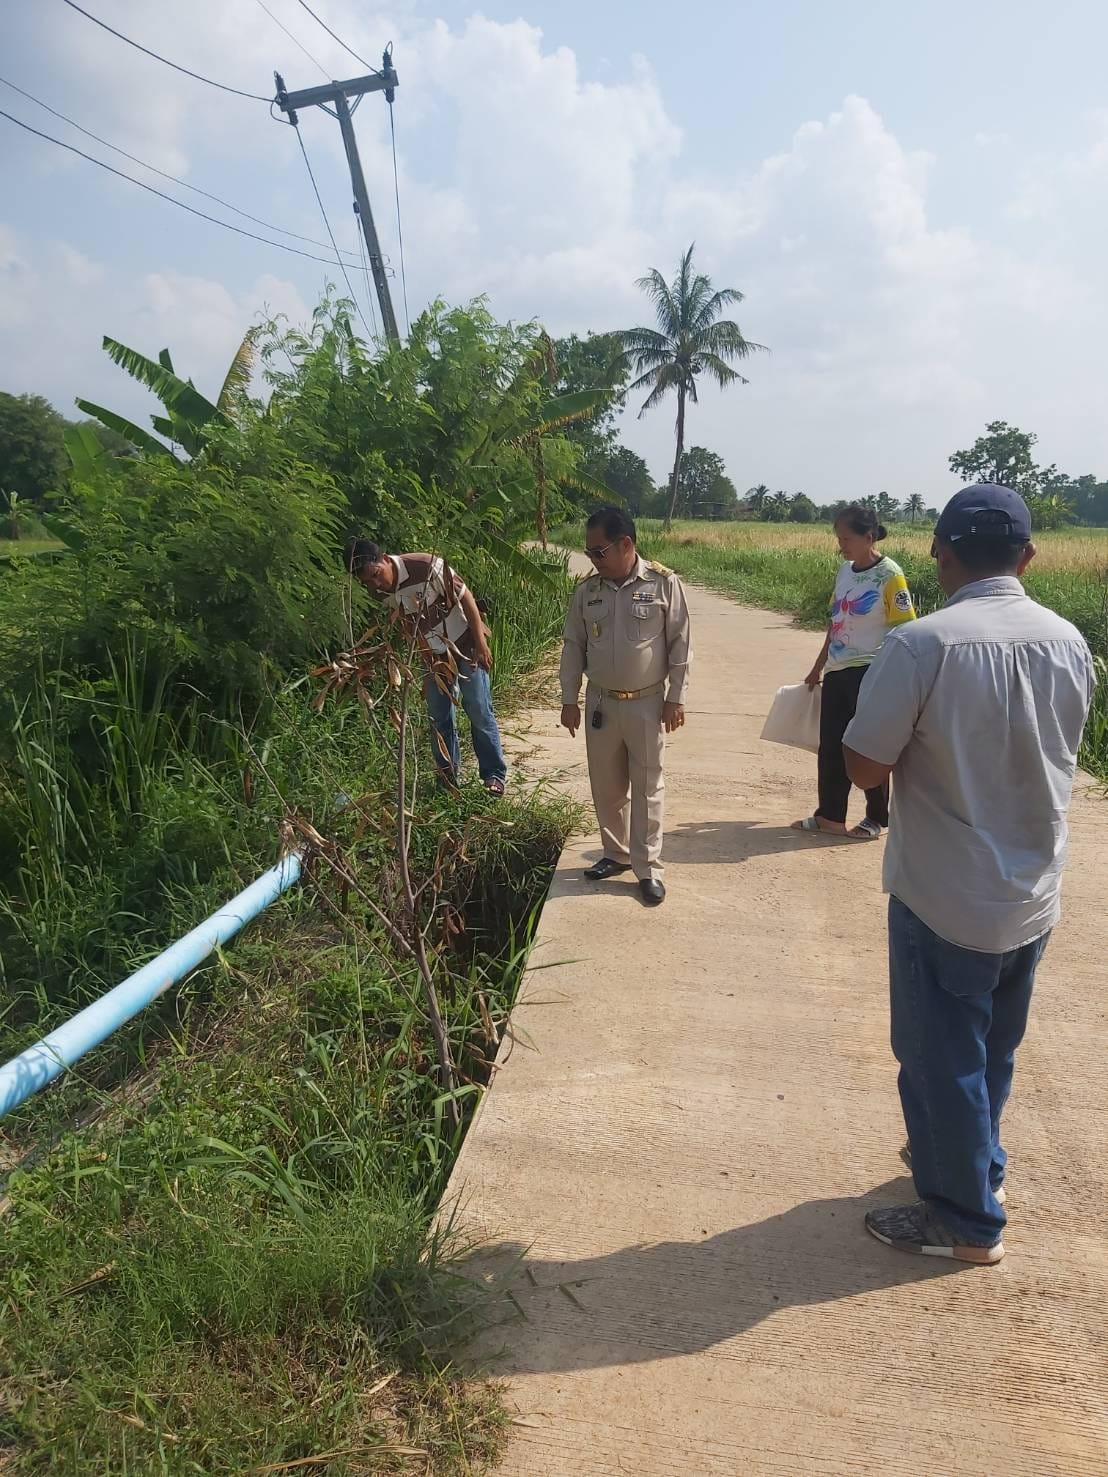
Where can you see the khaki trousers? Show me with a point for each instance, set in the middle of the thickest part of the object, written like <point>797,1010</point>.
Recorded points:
<point>628,784</point>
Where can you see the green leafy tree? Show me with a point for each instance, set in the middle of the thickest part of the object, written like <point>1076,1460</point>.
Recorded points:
<point>1090,499</point>
<point>227,562</point>
<point>627,477</point>
<point>1002,454</point>
<point>594,362</point>
<point>802,509</point>
<point>776,507</point>
<point>1053,508</point>
<point>32,447</point>
<point>690,340</point>
<point>216,568</point>
<point>704,489</point>
<point>460,427</point>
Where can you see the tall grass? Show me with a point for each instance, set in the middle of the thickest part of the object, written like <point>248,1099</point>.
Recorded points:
<point>791,568</point>
<point>233,1262</point>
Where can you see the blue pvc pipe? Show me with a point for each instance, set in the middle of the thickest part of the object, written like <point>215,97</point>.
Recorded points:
<point>48,1058</point>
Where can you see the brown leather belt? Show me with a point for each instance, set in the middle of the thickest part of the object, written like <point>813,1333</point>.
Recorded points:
<point>623,697</point>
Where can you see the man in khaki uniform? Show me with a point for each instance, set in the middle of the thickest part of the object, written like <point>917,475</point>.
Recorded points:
<point>628,628</point>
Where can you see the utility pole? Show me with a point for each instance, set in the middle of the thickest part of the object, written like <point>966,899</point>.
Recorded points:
<point>333,95</point>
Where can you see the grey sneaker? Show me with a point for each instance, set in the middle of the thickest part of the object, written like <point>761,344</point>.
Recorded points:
<point>1000,1194</point>
<point>914,1228</point>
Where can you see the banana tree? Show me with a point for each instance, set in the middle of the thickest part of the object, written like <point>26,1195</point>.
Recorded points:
<point>525,421</point>
<point>189,416</point>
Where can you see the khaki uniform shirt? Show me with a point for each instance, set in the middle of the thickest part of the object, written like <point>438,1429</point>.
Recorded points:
<point>629,636</point>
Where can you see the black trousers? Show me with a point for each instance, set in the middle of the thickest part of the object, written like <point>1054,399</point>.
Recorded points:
<point>840,699</point>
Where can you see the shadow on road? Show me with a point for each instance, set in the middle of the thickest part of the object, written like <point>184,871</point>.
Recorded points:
<point>738,841</point>
<point>674,1298</point>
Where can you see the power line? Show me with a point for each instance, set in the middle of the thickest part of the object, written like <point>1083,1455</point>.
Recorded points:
<point>294,40</point>
<point>280,245</point>
<point>399,227</point>
<point>327,223</point>
<point>342,43</point>
<point>254,96</point>
<point>155,170</point>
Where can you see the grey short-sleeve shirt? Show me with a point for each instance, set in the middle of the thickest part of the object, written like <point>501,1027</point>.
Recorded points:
<point>980,708</point>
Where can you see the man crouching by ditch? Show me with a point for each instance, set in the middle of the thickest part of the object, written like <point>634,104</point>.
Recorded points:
<point>977,713</point>
<point>447,616</point>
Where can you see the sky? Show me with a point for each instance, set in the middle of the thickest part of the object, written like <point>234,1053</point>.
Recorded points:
<point>913,200</point>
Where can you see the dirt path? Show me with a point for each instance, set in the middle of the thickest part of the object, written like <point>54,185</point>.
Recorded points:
<point>672,1168</point>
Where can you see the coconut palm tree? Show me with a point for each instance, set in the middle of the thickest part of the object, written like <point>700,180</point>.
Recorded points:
<point>915,507</point>
<point>886,507</point>
<point>776,507</point>
<point>691,339</point>
<point>756,497</point>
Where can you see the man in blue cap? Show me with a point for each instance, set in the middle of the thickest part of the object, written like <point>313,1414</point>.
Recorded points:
<point>977,712</point>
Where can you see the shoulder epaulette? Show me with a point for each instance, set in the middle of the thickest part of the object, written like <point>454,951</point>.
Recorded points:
<point>657,568</point>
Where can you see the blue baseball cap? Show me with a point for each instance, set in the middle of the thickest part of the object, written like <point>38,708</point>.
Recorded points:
<point>985,511</point>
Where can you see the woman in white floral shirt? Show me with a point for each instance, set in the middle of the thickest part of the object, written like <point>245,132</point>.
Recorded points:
<point>871,596</point>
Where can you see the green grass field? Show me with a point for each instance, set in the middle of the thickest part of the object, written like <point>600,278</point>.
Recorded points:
<point>791,567</point>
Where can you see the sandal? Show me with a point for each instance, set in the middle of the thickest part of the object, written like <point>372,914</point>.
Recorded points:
<point>810,826</point>
<point>495,787</point>
<point>866,830</point>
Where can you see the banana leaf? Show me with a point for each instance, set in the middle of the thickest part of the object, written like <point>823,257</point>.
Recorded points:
<point>84,449</point>
<point>237,382</point>
<point>177,395</point>
<point>123,427</point>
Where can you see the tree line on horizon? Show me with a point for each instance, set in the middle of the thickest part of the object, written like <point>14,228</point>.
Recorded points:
<point>690,341</point>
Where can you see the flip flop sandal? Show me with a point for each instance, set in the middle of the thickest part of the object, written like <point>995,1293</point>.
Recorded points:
<point>809,824</point>
<point>866,830</point>
<point>495,787</point>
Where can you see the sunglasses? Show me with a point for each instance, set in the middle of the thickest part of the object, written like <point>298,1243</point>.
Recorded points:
<point>595,554</point>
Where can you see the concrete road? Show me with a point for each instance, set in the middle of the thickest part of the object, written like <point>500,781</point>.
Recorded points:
<point>700,1103</point>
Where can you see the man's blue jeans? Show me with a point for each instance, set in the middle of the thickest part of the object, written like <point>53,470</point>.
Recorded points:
<point>957,1018</point>
<point>474,691</point>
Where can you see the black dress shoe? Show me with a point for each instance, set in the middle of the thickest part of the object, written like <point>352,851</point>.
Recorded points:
<point>653,891</point>
<point>605,868</point>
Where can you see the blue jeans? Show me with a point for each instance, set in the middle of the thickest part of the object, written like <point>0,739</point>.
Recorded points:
<point>474,692</point>
<point>957,1018</point>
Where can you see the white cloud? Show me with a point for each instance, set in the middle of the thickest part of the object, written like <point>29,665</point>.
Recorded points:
<point>1055,187</point>
<point>894,332</point>
<point>57,305</point>
<point>856,292</point>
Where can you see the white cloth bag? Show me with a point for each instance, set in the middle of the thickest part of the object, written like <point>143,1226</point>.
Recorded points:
<point>794,717</point>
